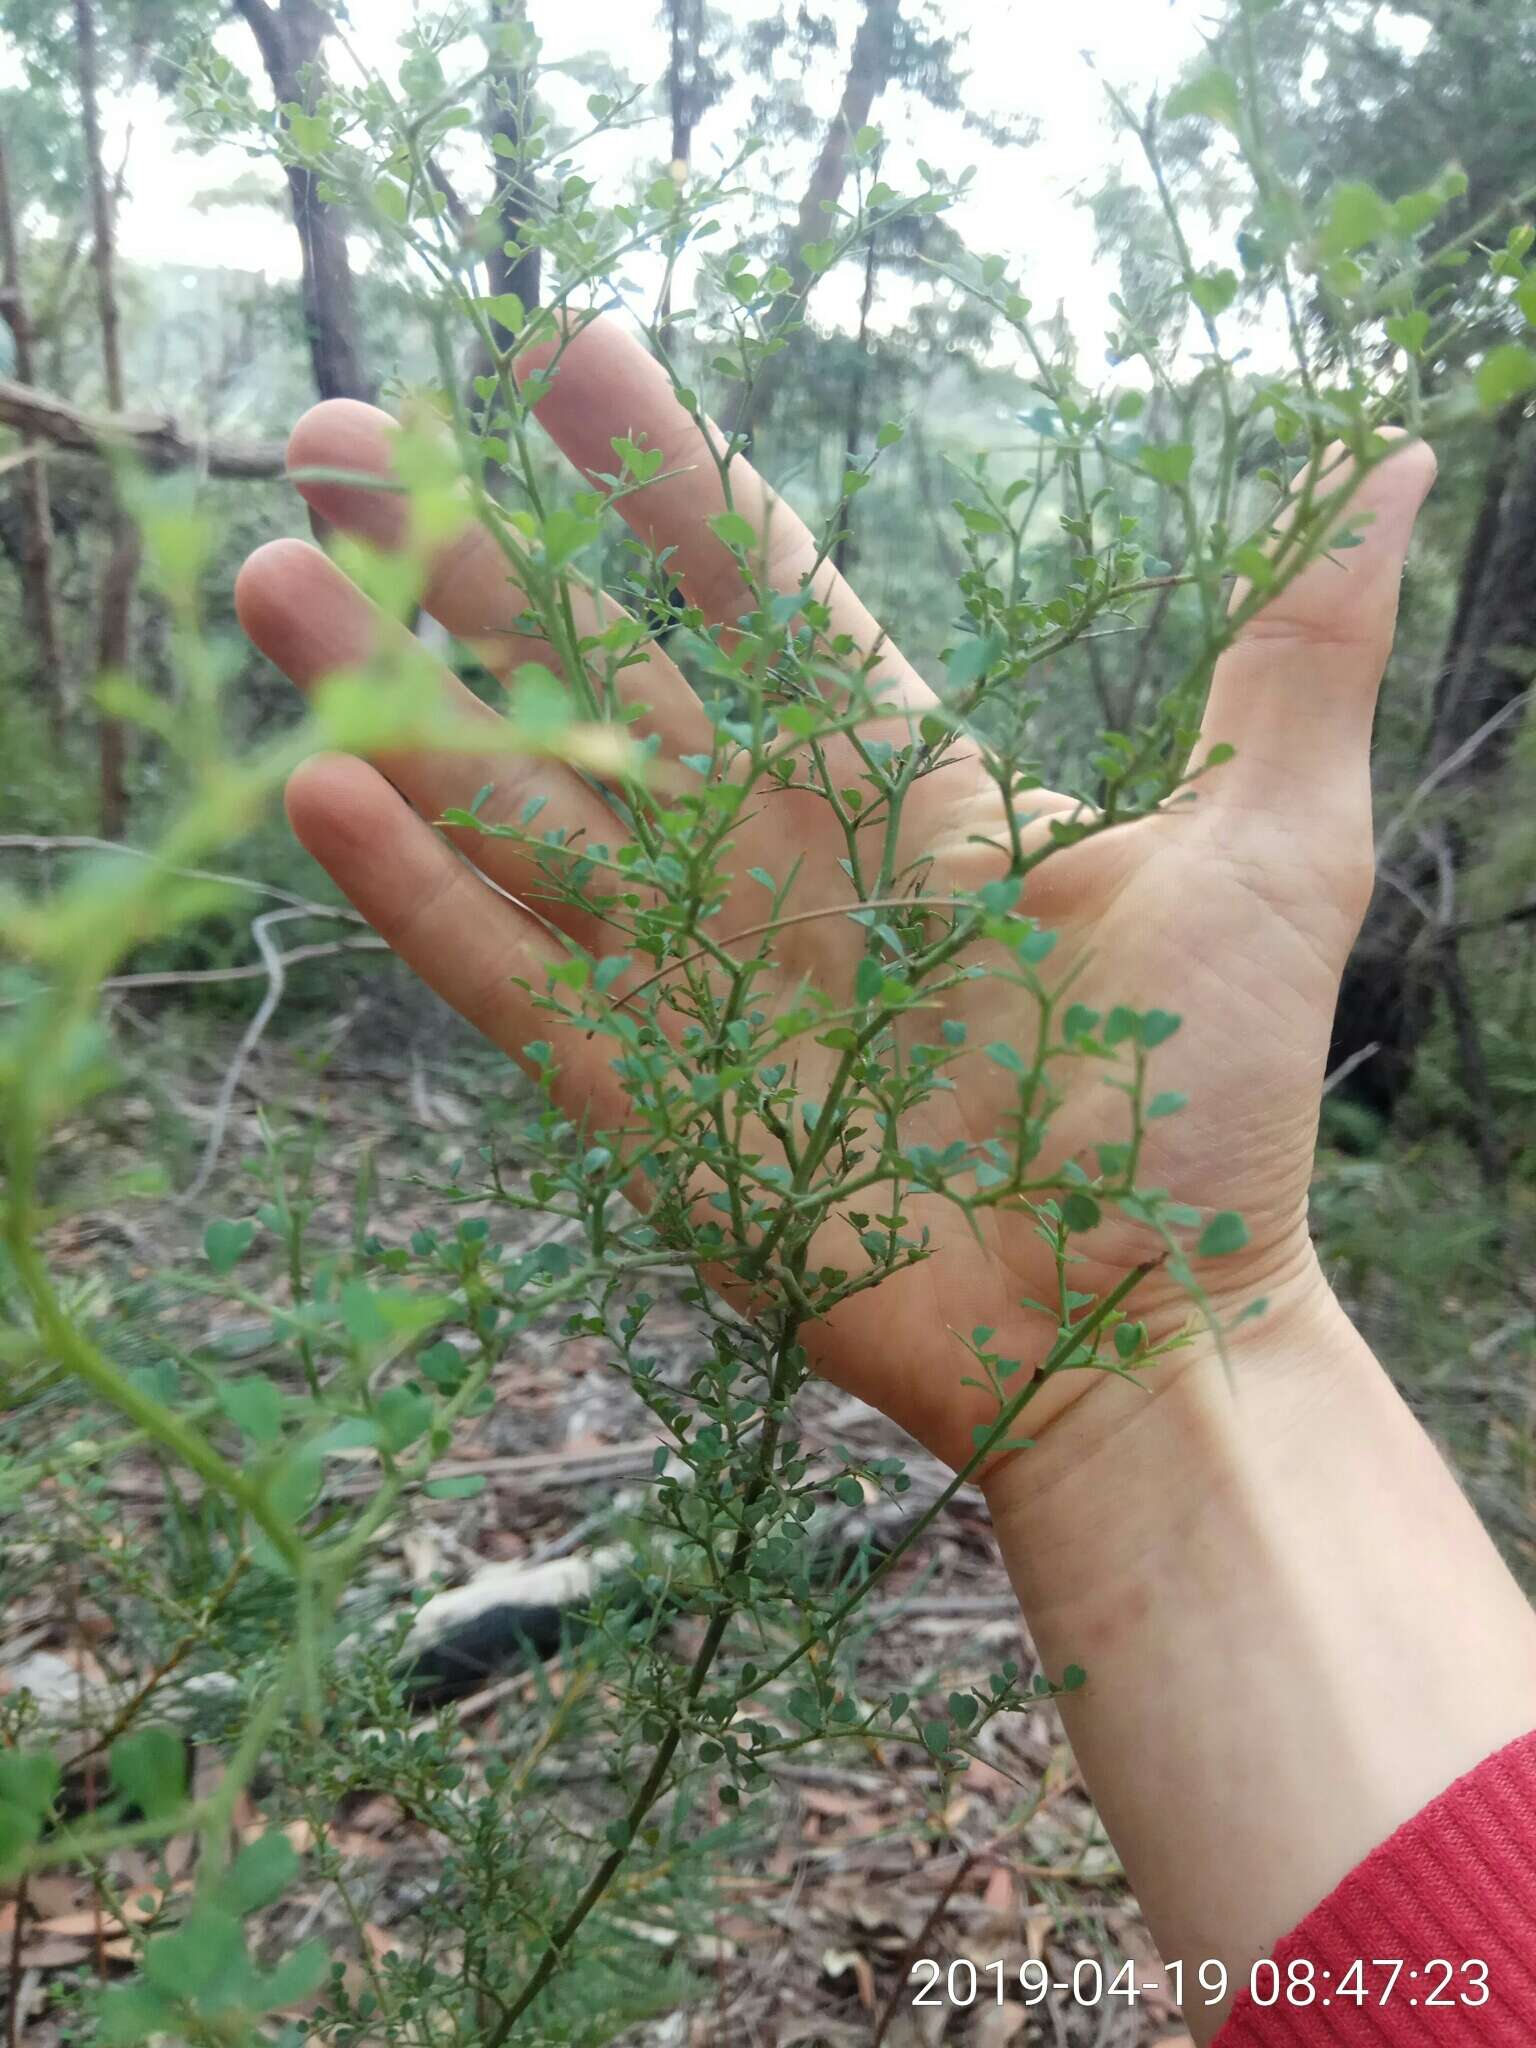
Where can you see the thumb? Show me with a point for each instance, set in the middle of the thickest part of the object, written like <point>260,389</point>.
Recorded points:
<point>1295,694</point>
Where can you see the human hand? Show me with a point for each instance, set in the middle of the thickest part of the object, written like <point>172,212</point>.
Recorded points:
<point>1234,911</point>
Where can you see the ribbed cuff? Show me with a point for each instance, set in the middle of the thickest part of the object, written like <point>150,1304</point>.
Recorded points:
<point>1456,1885</point>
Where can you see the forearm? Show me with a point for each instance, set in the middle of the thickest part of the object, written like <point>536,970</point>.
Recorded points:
<point>1295,1630</point>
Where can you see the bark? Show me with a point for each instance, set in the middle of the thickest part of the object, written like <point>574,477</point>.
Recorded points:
<point>153,440</point>
<point>510,264</point>
<point>869,69</point>
<point>114,623</point>
<point>685,29</point>
<point>289,35</point>
<point>691,86</point>
<point>37,515</point>
<point>853,424</point>
<point>1393,979</point>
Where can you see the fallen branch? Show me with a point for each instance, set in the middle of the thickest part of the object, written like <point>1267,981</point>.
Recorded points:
<point>80,842</point>
<point>198,977</point>
<point>153,439</point>
<point>277,980</point>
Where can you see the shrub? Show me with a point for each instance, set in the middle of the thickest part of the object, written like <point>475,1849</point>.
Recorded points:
<point>781,1126</point>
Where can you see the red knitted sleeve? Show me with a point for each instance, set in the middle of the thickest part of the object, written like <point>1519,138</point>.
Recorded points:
<point>1451,1898</point>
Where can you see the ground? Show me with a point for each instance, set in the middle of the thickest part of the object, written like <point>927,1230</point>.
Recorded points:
<point>818,1938</point>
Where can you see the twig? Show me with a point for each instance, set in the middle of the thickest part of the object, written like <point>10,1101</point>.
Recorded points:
<point>250,1038</point>
<point>1345,1068</point>
<point>1457,758</point>
<point>200,976</point>
<point>153,439</point>
<point>182,977</point>
<point>919,1941</point>
<point>565,1468</point>
<point>476,1703</point>
<point>1523,913</point>
<point>76,842</point>
<point>776,924</point>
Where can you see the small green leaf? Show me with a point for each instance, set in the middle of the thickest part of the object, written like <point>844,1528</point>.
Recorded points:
<point>1211,94</point>
<point>403,1413</point>
<point>868,979</point>
<point>29,1781</point>
<point>1226,1232</point>
<point>296,1976</point>
<point>296,1482</point>
<point>1169,1103</point>
<point>254,1405</point>
<point>1357,216</point>
<point>849,1491</point>
<point>1213,291</point>
<point>1170,464</point>
<point>642,463</point>
<point>209,1947</point>
<point>225,1243</point>
<point>735,531</point>
<point>464,1487</point>
<point>1079,1211</point>
<point>149,1767</point>
<point>262,1872</point>
<point>1119,1024</point>
<point>391,201</point>
<point>310,132</point>
<point>505,309</point>
<point>564,534</point>
<point>1505,373</point>
<point>132,2014</point>
<point>970,658</point>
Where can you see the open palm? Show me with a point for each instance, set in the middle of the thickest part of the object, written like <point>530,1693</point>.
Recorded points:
<point>1235,911</point>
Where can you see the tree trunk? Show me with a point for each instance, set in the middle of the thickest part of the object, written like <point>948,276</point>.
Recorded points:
<point>37,518</point>
<point>853,424</point>
<point>115,620</point>
<point>869,68</point>
<point>289,36</point>
<point>1390,986</point>
<point>688,93</point>
<point>510,264</point>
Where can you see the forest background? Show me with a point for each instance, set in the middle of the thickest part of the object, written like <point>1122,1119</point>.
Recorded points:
<point>183,300</point>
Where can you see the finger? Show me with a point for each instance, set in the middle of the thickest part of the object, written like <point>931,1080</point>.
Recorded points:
<point>469,587</point>
<point>603,384</point>
<point>1296,692</point>
<point>470,945</point>
<point>309,619</point>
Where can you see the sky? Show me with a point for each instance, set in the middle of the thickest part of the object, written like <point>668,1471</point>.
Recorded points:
<point>1023,58</point>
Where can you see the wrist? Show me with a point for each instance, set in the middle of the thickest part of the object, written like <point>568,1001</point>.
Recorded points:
<point>1286,1358</point>
<point>1294,1630</point>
